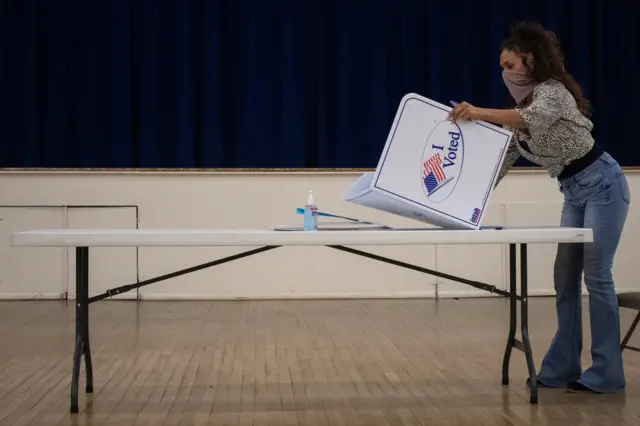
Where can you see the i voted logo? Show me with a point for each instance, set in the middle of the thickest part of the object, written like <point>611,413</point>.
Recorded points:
<point>442,161</point>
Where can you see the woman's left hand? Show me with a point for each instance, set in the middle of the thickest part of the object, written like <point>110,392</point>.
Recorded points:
<point>465,111</point>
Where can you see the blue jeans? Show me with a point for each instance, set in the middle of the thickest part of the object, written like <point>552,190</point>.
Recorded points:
<point>596,198</point>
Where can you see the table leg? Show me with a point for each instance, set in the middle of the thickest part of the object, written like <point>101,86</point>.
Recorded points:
<point>524,311</point>
<point>82,346</point>
<point>513,307</point>
<point>512,342</point>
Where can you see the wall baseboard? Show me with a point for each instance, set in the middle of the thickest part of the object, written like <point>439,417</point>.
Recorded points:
<point>34,296</point>
<point>291,296</point>
<point>308,296</point>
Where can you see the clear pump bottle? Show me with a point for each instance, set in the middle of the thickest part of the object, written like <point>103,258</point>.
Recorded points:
<point>310,214</point>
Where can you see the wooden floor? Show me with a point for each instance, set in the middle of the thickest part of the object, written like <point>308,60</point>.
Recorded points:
<point>390,362</point>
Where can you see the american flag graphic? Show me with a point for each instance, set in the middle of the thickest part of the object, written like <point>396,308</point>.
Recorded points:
<point>433,173</point>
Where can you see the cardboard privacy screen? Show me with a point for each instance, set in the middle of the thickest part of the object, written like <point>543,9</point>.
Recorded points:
<point>433,170</point>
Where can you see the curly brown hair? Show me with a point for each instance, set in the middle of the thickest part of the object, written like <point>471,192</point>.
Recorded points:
<point>548,60</point>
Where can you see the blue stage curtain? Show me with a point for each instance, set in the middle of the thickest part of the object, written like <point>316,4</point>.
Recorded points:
<point>277,83</point>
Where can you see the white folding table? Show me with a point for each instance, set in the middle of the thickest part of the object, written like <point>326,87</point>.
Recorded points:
<point>268,239</point>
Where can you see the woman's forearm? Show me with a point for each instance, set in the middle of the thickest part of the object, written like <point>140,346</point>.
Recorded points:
<point>506,117</point>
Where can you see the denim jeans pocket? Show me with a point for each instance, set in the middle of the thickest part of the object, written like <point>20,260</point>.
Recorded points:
<point>594,188</point>
<point>595,179</point>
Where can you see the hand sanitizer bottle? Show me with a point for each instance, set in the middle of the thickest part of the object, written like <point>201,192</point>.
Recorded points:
<point>310,214</point>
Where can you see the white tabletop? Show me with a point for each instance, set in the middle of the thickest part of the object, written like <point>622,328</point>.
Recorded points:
<point>266,237</point>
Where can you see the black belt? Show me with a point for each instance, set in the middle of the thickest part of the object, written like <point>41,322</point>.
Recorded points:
<point>576,165</point>
<point>581,163</point>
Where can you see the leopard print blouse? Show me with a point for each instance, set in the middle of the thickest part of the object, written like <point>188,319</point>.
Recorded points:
<point>556,134</point>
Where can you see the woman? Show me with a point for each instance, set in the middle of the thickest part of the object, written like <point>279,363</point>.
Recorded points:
<point>552,129</point>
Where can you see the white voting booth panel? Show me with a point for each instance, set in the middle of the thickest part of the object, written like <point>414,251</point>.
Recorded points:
<point>433,170</point>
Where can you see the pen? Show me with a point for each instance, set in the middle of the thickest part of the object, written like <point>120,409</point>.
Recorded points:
<point>455,104</point>
<point>300,210</point>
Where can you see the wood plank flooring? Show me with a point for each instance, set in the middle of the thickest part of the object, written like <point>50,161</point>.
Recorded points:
<point>362,362</point>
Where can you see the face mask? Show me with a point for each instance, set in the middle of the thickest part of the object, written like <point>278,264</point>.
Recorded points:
<point>519,84</point>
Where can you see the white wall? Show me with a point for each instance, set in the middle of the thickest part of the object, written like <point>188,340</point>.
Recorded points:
<point>31,200</point>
